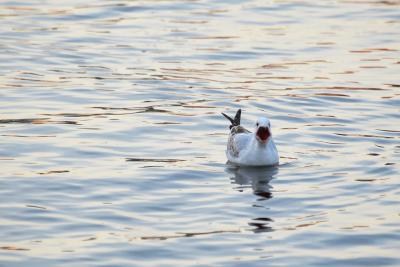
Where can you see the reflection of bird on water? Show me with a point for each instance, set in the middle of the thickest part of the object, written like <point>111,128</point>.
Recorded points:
<point>258,178</point>
<point>251,149</point>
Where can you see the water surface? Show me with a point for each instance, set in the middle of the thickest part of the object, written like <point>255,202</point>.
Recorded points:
<point>112,143</point>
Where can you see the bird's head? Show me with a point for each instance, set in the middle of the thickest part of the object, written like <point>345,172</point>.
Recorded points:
<point>263,130</point>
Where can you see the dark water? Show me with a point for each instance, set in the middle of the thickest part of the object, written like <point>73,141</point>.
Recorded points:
<point>112,143</point>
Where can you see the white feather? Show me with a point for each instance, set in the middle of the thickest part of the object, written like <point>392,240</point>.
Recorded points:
<point>244,148</point>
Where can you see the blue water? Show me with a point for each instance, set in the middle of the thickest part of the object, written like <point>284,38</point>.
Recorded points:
<point>112,143</point>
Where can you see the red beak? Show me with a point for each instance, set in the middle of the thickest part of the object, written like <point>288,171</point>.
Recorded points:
<point>263,134</point>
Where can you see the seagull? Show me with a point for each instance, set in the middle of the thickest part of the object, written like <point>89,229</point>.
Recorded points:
<point>245,148</point>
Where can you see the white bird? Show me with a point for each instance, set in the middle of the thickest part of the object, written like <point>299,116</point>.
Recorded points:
<point>245,148</point>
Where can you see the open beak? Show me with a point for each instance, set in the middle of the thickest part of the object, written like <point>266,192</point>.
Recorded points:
<point>263,134</point>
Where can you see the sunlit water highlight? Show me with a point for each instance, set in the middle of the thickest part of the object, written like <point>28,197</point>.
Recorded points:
<point>112,143</point>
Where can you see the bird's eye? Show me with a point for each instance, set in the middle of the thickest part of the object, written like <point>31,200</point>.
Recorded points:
<point>257,124</point>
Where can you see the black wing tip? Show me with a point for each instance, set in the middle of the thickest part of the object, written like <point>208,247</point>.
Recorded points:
<point>226,116</point>
<point>235,121</point>
<point>237,117</point>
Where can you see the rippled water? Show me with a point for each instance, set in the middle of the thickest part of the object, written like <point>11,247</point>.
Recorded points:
<point>112,143</point>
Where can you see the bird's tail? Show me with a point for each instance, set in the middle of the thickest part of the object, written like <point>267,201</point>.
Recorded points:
<point>235,121</point>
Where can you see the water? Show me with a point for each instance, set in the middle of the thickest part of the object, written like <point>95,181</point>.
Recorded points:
<point>112,143</point>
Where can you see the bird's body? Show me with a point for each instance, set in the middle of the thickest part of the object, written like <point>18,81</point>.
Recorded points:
<point>245,148</point>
